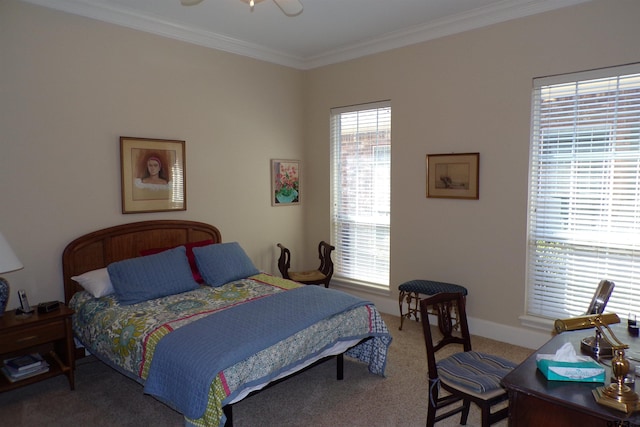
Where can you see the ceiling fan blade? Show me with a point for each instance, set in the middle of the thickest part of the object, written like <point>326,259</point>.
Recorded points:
<point>289,7</point>
<point>190,2</point>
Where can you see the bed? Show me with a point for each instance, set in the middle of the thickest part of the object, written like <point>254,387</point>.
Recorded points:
<point>204,342</point>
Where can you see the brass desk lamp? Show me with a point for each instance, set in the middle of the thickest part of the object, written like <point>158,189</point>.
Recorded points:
<point>616,395</point>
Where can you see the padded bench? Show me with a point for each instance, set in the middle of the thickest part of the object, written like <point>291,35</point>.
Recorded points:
<point>410,292</point>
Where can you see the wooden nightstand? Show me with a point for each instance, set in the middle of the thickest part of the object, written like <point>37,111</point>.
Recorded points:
<point>48,334</point>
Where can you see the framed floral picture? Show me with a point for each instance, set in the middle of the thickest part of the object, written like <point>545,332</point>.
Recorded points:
<point>285,182</point>
<point>153,175</point>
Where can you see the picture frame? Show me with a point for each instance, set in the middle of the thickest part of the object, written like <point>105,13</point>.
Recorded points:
<point>453,176</point>
<point>153,175</point>
<point>286,178</point>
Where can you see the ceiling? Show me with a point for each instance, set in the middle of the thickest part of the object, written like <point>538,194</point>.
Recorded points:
<point>327,31</point>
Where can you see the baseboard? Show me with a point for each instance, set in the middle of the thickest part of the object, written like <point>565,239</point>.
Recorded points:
<point>509,334</point>
<point>512,335</point>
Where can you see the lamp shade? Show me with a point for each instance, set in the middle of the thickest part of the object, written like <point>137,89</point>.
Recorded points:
<point>8,259</point>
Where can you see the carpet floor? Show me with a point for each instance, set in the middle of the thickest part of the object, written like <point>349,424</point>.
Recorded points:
<point>103,397</point>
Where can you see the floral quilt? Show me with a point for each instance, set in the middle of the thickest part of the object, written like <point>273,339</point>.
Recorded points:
<point>126,336</point>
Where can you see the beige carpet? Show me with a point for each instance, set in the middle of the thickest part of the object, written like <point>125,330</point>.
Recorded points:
<point>104,397</point>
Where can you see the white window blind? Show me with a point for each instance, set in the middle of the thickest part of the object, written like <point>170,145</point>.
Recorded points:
<point>361,192</point>
<point>584,195</point>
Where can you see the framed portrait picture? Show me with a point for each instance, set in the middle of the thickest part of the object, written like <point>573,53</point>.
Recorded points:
<point>153,175</point>
<point>453,176</point>
<point>285,182</point>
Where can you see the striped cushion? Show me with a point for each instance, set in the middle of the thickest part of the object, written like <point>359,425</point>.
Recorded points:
<point>474,371</point>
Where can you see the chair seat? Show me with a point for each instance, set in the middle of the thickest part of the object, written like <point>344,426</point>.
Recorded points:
<point>305,276</point>
<point>484,396</point>
<point>430,287</point>
<point>475,372</point>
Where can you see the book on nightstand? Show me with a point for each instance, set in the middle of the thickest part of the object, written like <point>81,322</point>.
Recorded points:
<point>22,367</point>
<point>24,363</point>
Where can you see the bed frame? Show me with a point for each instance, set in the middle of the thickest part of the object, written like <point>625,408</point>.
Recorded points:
<point>101,248</point>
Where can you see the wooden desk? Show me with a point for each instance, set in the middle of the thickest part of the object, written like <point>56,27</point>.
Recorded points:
<point>534,401</point>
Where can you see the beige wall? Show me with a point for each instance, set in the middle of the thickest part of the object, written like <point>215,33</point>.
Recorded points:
<point>469,92</point>
<point>70,86</point>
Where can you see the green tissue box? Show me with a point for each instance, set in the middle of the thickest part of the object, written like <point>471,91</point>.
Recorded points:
<point>588,372</point>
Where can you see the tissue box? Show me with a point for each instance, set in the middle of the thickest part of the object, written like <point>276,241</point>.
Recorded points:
<point>589,372</point>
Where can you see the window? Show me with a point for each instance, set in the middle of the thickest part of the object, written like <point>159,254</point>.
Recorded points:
<point>361,192</point>
<point>584,194</point>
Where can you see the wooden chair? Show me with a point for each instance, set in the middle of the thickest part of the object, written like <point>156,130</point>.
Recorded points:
<point>320,276</point>
<point>467,376</point>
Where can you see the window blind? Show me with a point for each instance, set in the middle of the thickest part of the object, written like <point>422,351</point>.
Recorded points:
<point>584,194</point>
<point>361,192</point>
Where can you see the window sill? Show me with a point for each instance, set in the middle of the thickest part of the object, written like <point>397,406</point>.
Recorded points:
<point>361,286</point>
<point>378,295</point>
<point>535,322</point>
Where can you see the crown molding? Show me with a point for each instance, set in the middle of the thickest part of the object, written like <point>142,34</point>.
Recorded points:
<point>132,19</point>
<point>497,12</point>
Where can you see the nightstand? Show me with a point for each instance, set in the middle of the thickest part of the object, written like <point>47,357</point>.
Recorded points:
<point>48,334</point>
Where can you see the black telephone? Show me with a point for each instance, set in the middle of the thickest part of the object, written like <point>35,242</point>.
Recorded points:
<point>24,302</point>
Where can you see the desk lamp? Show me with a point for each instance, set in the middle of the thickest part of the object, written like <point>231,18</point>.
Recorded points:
<point>616,395</point>
<point>595,345</point>
<point>8,262</point>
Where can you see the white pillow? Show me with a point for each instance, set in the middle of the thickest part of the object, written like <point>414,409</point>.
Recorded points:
<point>96,282</point>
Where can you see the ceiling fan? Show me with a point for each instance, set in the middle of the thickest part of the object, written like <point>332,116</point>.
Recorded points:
<point>288,7</point>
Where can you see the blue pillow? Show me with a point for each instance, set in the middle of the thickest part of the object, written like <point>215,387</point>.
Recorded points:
<point>140,279</point>
<point>223,263</point>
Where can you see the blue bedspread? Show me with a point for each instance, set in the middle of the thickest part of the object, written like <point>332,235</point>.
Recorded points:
<point>187,360</point>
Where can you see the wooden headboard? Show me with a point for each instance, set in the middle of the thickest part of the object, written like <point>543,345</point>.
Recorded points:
<point>100,248</point>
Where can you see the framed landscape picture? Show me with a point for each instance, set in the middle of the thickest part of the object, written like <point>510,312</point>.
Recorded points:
<point>152,175</point>
<point>285,182</point>
<point>453,176</point>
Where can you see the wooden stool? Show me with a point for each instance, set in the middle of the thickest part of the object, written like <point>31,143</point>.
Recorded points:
<point>410,292</point>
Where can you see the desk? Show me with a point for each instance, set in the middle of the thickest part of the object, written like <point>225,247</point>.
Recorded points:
<point>535,401</point>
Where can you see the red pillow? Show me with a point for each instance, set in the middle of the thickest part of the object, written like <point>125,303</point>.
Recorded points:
<point>192,259</point>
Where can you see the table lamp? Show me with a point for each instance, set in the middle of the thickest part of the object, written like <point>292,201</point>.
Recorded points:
<point>616,395</point>
<point>8,262</point>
